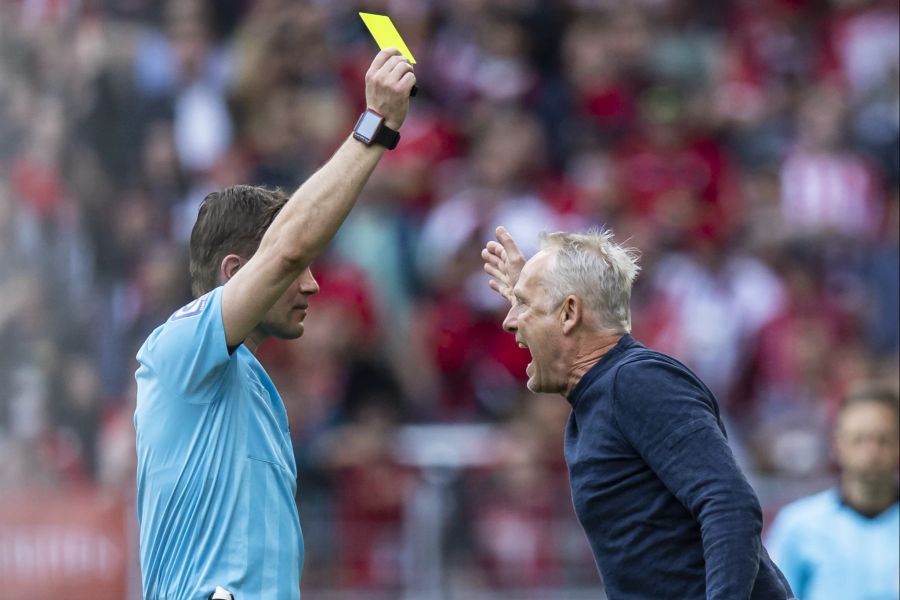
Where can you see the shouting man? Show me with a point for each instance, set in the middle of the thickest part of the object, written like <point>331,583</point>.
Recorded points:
<point>665,507</point>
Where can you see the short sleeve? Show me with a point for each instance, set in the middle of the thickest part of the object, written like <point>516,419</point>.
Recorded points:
<point>189,354</point>
<point>784,540</point>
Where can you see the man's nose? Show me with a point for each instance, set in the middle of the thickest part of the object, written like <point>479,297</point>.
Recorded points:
<point>308,284</point>
<point>510,323</point>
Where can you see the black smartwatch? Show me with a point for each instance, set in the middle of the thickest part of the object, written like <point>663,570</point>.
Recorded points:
<point>370,129</point>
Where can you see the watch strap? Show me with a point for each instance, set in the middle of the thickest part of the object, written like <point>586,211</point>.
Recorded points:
<point>387,137</point>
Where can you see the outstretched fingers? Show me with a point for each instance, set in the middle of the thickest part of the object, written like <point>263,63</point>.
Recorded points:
<point>503,261</point>
<point>496,249</point>
<point>494,271</point>
<point>508,244</point>
<point>493,255</point>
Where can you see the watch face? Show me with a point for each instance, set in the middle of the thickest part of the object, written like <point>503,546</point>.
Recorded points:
<point>368,125</point>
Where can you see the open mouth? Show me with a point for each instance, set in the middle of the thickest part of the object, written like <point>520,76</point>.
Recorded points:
<point>530,366</point>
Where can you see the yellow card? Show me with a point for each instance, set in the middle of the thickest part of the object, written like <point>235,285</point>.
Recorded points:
<point>385,34</point>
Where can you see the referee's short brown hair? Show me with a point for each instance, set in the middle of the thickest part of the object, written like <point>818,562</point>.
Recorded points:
<point>230,221</point>
<point>875,392</point>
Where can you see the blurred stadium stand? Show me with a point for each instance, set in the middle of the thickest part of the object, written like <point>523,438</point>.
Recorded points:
<point>749,148</point>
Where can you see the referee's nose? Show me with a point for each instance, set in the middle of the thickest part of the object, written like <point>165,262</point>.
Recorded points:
<point>308,284</point>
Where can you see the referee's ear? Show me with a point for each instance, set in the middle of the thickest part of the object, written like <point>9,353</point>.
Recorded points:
<point>230,265</point>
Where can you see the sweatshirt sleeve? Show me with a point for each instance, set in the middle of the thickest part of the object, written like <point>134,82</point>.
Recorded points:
<point>671,420</point>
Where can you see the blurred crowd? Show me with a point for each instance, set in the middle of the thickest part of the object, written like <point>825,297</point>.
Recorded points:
<point>750,149</point>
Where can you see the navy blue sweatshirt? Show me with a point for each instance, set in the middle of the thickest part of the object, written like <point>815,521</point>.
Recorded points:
<point>665,507</point>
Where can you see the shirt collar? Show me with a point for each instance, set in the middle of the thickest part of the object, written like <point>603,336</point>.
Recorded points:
<point>603,365</point>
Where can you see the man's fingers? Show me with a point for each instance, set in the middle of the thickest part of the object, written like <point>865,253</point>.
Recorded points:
<point>390,64</point>
<point>492,260</point>
<point>510,247</point>
<point>494,271</point>
<point>399,70</point>
<point>490,252</point>
<point>382,57</point>
<point>495,249</point>
<point>408,81</point>
<point>508,243</point>
<point>501,258</point>
<point>498,287</point>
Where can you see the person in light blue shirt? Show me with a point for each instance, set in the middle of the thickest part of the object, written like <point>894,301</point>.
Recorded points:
<point>216,475</point>
<point>844,543</point>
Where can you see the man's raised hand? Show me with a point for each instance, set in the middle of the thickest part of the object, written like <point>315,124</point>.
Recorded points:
<point>388,83</point>
<point>503,261</point>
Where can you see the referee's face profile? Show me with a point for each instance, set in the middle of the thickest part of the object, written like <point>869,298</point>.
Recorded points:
<point>285,319</point>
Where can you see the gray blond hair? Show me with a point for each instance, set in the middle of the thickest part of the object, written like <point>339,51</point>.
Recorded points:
<point>592,266</point>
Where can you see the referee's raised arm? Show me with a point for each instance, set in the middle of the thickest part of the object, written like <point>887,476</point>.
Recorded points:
<point>317,208</point>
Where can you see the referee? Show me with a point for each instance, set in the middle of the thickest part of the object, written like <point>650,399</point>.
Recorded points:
<point>216,476</point>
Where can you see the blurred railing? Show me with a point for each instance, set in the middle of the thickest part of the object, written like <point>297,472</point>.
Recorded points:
<point>445,542</point>
<point>70,546</point>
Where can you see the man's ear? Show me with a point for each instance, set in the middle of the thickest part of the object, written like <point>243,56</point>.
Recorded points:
<point>230,265</point>
<point>571,313</point>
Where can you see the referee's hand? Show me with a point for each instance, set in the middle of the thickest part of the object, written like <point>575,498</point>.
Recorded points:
<point>389,81</point>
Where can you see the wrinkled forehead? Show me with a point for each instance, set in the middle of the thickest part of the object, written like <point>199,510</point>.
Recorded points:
<point>534,270</point>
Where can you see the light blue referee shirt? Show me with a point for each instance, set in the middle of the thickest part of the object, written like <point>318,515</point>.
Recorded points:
<point>216,476</point>
<point>828,551</point>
